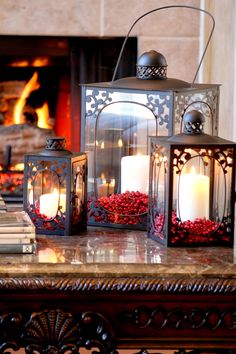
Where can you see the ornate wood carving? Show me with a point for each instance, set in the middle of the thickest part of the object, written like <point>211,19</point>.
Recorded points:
<point>178,318</point>
<point>52,332</point>
<point>195,351</point>
<point>56,332</point>
<point>11,325</point>
<point>152,285</point>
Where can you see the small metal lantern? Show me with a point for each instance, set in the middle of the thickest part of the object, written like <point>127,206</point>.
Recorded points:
<point>192,187</point>
<point>55,189</point>
<point>117,119</point>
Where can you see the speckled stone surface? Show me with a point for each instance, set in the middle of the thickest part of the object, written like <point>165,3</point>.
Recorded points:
<point>113,252</point>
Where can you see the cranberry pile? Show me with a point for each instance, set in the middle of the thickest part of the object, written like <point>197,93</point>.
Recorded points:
<point>201,230</point>
<point>125,208</point>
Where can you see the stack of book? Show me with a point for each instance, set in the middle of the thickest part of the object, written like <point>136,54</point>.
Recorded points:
<point>17,233</point>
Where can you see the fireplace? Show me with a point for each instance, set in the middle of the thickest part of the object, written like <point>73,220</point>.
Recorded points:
<point>40,92</point>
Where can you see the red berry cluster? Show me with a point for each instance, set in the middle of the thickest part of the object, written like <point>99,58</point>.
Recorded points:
<point>11,182</point>
<point>125,208</point>
<point>201,230</point>
<point>200,226</point>
<point>42,221</point>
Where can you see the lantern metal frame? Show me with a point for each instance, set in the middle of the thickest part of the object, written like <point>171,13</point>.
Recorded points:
<point>169,156</point>
<point>98,97</point>
<point>165,99</point>
<point>70,172</point>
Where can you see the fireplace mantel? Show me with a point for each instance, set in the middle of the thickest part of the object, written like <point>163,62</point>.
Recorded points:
<point>113,289</point>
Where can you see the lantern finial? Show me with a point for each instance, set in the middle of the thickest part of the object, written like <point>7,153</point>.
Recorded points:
<point>193,122</point>
<point>151,65</point>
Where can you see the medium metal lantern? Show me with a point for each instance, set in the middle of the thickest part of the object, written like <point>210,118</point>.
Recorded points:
<point>55,183</point>
<point>192,187</point>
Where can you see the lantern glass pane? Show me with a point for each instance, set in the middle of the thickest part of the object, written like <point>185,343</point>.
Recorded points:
<point>123,108</point>
<point>219,192</point>
<point>97,99</point>
<point>79,190</point>
<point>158,193</point>
<point>46,193</point>
<point>121,131</point>
<point>223,170</point>
<point>118,162</point>
<point>199,187</point>
<point>194,189</point>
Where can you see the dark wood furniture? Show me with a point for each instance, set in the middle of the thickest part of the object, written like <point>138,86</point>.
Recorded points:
<point>112,289</point>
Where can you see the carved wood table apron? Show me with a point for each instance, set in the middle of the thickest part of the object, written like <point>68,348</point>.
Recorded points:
<point>112,289</point>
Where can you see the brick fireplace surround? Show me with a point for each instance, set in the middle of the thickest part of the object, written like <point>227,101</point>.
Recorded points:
<point>165,31</point>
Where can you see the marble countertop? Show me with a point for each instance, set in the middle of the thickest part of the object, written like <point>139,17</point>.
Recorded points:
<point>114,252</point>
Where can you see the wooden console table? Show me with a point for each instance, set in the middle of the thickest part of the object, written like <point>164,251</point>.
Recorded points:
<point>112,289</point>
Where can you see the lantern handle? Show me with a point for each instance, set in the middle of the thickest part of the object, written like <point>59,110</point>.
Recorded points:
<point>189,105</point>
<point>164,8</point>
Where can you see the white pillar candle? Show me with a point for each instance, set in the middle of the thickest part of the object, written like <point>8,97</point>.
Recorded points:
<point>49,202</point>
<point>135,173</point>
<point>193,196</point>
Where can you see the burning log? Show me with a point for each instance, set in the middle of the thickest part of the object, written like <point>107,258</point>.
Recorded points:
<point>24,125</point>
<point>23,138</point>
<point>11,89</point>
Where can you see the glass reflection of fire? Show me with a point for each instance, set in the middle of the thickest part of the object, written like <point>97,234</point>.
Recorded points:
<point>11,176</point>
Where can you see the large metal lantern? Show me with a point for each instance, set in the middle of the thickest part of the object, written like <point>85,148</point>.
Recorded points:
<point>55,189</point>
<point>117,119</point>
<point>192,187</point>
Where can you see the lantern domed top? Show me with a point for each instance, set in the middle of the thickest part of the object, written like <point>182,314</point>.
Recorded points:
<point>151,65</point>
<point>152,58</point>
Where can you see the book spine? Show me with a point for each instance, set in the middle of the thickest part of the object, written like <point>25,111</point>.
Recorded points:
<point>7,241</point>
<point>16,229</point>
<point>18,248</point>
<point>17,235</point>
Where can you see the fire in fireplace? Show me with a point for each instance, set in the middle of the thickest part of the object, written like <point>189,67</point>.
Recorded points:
<point>40,92</point>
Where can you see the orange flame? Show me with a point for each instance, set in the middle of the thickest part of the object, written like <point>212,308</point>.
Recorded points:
<point>42,112</point>
<point>19,63</point>
<point>39,61</point>
<point>18,108</point>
